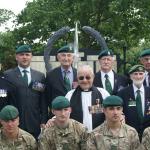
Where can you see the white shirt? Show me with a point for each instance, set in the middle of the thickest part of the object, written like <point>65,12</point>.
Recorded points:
<point>110,77</point>
<point>142,96</point>
<point>86,101</point>
<point>28,73</point>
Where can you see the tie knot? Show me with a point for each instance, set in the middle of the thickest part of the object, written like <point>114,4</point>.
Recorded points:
<point>106,76</point>
<point>24,71</point>
<point>138,91</point>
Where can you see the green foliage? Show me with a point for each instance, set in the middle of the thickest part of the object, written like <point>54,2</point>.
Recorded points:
<point>7,45</point>
<point>121,22</point>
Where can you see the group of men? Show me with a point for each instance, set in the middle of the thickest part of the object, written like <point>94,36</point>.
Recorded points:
<point>81,96</point>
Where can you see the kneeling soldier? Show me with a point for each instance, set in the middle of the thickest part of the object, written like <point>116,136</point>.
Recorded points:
<point>65,133</point>
<point>113,134</point>
<point>11,136</point>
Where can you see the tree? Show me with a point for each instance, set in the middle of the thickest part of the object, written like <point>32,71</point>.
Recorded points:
<point>7,46</point>
<point>5,15</point>
<point>121,22</point>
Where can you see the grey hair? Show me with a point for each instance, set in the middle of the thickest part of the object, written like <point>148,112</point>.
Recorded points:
<point>85,67</point>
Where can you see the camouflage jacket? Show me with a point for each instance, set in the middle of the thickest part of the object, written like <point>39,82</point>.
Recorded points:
<point>71,138</point>
<point>146,139</point>
<point>25,141</point>
<point>102,138</point>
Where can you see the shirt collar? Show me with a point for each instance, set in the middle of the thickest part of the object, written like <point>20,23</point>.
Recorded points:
<point>110,74</point>
<point>21,69</point>
<point>141,88</point>
<point>68,70</point>
<point>108,132</point>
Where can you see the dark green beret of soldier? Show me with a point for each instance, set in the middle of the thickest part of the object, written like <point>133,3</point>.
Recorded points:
<point>145,52</point>
<point>65,49</point>
<point>107,52</point>
<point>60,102</point>
<point>23,49</point>
<point>9,112</point>
<point>137,68</point>
<point>112,101</point>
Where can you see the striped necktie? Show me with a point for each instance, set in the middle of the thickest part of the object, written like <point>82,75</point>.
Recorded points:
<point>67,81</point>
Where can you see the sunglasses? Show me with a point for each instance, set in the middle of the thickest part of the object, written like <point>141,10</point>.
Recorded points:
<point>84,77</point>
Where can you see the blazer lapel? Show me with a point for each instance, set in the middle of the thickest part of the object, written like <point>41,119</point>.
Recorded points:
<point>115,83</point>
<point>60,77</point>
<point>99,79</point>
<point>19,76</point>
<point>74,74</point>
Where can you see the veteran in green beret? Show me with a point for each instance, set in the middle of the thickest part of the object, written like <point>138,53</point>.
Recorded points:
<point>30,95</point>
<point>11,136</point>
<point>65,133</point>
<point>113,134</point>
<point>145,60</point>
<point>106,77</point>
<point>62,78</point>
<point>136,99</point>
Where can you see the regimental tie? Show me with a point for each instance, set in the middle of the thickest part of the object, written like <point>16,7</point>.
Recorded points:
<point>67,82</point>
<point>108,84</point>
<point>25,76</point>
<point>139,105</point>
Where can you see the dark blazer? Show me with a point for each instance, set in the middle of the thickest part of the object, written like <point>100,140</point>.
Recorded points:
<point>119,82</point>
<point>55,84</point>
<point>31,103</point>
<point>131,115</point>
<point>7,93</point>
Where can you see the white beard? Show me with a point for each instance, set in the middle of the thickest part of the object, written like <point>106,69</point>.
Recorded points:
<point>138,83</point>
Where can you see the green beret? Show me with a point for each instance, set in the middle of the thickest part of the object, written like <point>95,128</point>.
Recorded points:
<point>9,112</point>
<point>65,49</point>
<point>107,52</point>
<point>112,101</point>
<point>60,102</point>
<point>23,48</point>
<point>145,52</point>
<point>137,68</point>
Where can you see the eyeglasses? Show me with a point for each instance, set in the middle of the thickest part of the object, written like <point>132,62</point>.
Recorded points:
<point>84,77</point>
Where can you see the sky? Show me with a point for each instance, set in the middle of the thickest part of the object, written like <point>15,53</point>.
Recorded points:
<point>15,6</point>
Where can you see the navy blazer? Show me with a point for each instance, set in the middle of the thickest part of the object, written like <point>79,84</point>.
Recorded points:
<point>55,84</point>
<point>119,82</point>
<point>131,115</point>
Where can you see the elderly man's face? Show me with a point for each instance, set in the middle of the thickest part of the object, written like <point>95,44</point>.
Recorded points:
<point>10,126</point>
<point>85,79</point>
<point>146,62</point>
<point>65,59</point>
<point>106,63</point>
<point>137,77</point>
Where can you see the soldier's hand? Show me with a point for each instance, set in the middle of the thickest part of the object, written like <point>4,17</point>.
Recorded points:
<point>50,122</point>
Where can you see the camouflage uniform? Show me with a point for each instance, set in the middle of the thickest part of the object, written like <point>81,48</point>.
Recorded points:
<point>25,141</point>
<point>72,138</point>
<point>146,139</point>
<point>102,138</point>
